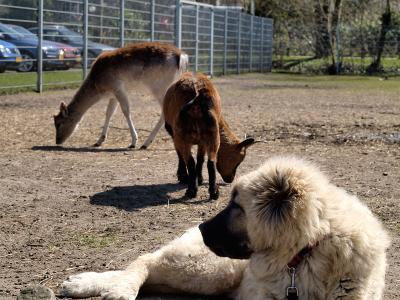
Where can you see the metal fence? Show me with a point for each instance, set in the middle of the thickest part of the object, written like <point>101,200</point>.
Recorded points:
<point>218,40</point>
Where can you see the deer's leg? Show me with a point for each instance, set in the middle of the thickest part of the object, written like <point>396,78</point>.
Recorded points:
<point>199,164</point>
<point>125,107</point>
<point>112,106</point>
<point>154,132</point>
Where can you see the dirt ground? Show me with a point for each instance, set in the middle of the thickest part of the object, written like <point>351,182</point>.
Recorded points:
<point>76,208</point>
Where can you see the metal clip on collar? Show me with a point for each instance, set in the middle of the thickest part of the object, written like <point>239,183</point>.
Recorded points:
<point>291,292</point>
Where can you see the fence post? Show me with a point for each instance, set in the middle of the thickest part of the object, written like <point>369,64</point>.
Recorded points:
<point>85,37</point>
<point>152,19</point>
<point>225,40</point>
<point>212,42</point>
<point>238,42</point>
<point>178,24</point>
<point>39,82</point>
<point>262,47</point>
<point>271,48</point>
<point>196,59</point>
<point>122,23</point>
<point>251,42</point>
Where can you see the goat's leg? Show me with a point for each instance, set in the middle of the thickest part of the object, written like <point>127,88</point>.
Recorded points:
<point>192,186</point>
<point>185,150</point>
<point>112,106</point>
<point>213,187</point>
<point>199,164</point>
<point>191,166</point>
<point>211,167</point>
<point>182,174</point>
<point>154,132</point>
<point>124,103</point>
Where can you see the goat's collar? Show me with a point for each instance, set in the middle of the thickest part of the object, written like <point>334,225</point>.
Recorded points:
<point>301,255</point>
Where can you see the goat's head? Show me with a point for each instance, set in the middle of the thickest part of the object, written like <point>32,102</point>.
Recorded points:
<point>64,124</point>
<point>230,156</point>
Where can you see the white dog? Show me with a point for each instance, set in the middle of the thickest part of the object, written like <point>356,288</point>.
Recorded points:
<point>287,233</point>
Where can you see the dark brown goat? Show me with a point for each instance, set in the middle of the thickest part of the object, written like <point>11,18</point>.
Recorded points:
<point>192,111</point>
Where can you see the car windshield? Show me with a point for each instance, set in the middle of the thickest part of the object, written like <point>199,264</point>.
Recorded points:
<point>25,32</point>
<point>71,35</point>
<point>15,35</point>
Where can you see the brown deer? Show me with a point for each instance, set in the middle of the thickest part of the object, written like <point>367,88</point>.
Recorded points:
<point>152,65</point>
<point>192,110</point>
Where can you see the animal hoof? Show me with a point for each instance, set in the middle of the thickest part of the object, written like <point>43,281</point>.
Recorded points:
<point>200,180</point>
<point>214,195</point>
<point>144,147</point>
<point>191,193</point>
<point>132,147</point>
<point>183,179</point>
<point>96,145</point>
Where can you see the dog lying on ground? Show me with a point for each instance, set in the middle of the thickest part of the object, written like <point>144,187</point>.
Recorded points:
<point>286,231</point>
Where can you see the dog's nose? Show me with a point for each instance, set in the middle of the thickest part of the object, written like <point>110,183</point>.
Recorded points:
<point>202,228</point>
<point>207,239</point>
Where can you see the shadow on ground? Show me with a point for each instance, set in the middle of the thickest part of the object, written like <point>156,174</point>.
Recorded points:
<point>180,297</point>
<point>132,198</point>
<point>78,149</point>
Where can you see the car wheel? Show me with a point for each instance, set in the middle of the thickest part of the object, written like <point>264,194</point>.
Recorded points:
<point>64,68</point>
<point>26,66</point>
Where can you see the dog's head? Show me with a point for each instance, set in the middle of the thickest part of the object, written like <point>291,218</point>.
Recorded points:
<point>275,206</point>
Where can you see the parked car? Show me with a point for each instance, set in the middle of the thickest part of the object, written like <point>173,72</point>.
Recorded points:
<point>9,56</point>
<point>27,46</point>
<point>62,34</point>
<point>71,55</point>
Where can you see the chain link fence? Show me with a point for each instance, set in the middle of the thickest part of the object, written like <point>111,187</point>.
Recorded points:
<point>356,48</point>
<point>53,42</point>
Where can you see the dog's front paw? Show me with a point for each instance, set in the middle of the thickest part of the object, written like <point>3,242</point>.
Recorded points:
<point>81,286</point>
<point>119,294</point>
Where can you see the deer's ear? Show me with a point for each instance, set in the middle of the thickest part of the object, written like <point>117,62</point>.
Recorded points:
<point>63,109</point>
<point>247,143</point>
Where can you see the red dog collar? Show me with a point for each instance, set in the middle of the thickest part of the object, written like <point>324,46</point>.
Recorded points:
<point>299,257</point>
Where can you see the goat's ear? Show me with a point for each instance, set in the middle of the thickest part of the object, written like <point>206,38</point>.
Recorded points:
<point>63,109</point>
<point>247,143</point>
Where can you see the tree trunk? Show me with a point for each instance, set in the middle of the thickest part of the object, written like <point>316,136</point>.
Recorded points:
<point>385,27</point>
<point>333,30</point>
<point>322,41</point>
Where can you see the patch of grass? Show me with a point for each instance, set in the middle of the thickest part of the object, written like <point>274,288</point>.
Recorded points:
<point>93,240</point>
<point>72,79</point>
<point>349,82</point>
<point>53,248</point>
<point>350,65</point>
<point>14,82</point>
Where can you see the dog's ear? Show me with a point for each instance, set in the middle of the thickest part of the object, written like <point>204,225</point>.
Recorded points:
<point>275,196</point>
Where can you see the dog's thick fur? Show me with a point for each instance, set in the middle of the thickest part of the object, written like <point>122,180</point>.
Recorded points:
<point>275,211</point>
